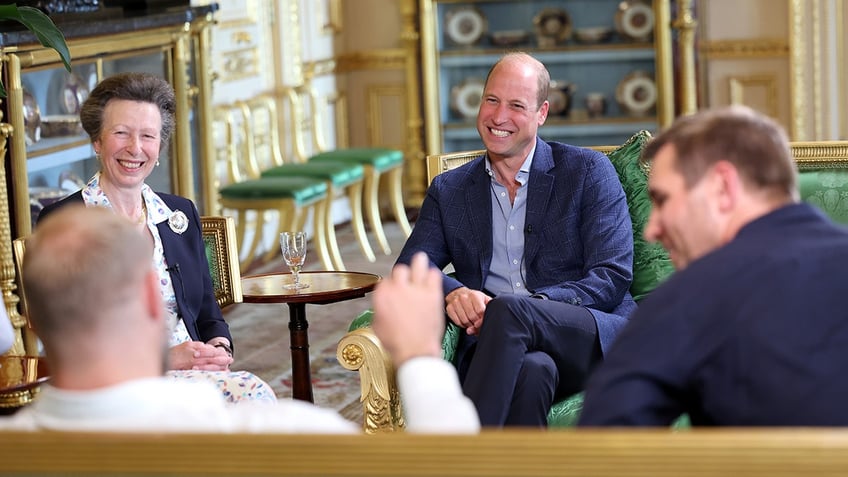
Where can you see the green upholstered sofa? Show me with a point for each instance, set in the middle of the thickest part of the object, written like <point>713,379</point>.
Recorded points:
<point>823,168</point>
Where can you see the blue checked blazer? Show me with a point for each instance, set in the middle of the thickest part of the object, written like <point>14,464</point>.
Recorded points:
<point>578,244</point>
<point>192,283</point>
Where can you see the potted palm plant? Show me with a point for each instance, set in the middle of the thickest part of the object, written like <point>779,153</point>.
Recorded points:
<point>42,26</point>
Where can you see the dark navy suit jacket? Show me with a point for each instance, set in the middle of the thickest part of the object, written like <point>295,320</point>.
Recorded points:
<point>751,334</point>
<point>578,243</point>
<point>185,255</point>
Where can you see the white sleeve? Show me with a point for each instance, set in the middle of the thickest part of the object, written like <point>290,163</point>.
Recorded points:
<point>7,334</point>
<point>289,416</point>
<point>432,398</point>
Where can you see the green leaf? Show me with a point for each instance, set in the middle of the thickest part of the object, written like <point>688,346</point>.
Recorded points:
<point>42,26</point>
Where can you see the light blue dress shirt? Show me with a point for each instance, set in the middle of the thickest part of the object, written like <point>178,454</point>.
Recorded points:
<point>506,271</point>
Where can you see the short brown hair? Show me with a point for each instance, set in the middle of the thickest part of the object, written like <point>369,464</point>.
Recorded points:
<point>143,87</point>
<point>754,143</point>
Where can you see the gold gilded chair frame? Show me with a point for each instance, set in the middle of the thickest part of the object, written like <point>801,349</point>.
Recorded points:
<point>240,163</point>
<point>360,350</point>
<point>371,198</point>
<point>358,198</point>
<point>219,237</point>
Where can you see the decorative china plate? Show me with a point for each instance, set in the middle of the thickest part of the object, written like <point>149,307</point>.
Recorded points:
<point>466,96</point>
<point>559,97</point>
<point>636,93</point>
<point>68,91</point>
<point>465,25</point>
<point>32,119</point>
<point>553,26</point>
<point>634,20</point>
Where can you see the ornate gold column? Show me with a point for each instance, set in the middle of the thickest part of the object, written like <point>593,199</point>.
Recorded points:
<point>7,265</point>
<point>202,95</point>
<point>685,23</point>
<point>181,169</point>
<point>416,170</point>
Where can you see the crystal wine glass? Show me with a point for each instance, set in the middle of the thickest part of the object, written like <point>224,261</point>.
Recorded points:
<point>293,245</point>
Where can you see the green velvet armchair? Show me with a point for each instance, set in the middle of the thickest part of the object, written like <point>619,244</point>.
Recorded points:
<point>823,168</point>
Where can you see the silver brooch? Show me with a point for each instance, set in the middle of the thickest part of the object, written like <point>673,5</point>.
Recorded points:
<point>178,222</point>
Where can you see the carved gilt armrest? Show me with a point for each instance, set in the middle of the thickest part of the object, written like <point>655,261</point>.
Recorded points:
<point>360,350</point>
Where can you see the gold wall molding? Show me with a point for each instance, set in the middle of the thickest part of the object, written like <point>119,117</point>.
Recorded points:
<point>415,170</point>
<point>768,82</point>
<point>686,25</point>
<point>241,36</point>
<point>240,64</point>
<point>816,12</point>
<point>246,13</point>
<point>312,69</point>
<point>286,34</point>
<point>388,59</point>
<point>754,48</point>
<point>332,24</point>
<point>377,95</point>
<point>797,65</point>
<point>842,67</point>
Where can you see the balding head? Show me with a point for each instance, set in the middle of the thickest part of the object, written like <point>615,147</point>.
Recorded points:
<point>83,267</point>
<point>543,77</point>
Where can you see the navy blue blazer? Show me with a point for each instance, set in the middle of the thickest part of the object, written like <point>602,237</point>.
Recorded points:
<point>578,244</point>
<point>186,257</point>
<point>751,334</point>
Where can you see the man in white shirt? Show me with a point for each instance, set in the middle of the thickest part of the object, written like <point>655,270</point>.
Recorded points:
<point>94,301</point>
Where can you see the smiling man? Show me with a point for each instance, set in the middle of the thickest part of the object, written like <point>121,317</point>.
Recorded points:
<point>541,240</point>
<point>751,329</point>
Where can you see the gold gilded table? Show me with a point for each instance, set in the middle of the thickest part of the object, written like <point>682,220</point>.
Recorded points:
<point>324,288</point>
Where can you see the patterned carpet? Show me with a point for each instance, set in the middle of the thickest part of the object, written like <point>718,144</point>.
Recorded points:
<point>261,335</point>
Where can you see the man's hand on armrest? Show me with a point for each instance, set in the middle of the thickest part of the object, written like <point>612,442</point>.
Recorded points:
<point>408,311</point>
<point>466,307</point>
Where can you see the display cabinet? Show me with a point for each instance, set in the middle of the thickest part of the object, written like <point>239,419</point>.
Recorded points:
<point>610,64</point>
<point>49,156</point>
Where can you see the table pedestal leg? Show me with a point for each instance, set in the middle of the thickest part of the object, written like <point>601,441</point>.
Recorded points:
<point>301,374</point>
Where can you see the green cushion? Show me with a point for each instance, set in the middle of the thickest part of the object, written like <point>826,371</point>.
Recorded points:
<point>209,244</point>
<point>339,173</point>
<point>363,320</point>
<point>828,190</point>
<point>303,190</point>
<point>566,413</point>
<point>449,342</point>
<point>651,264</point>
<point>378,158</point>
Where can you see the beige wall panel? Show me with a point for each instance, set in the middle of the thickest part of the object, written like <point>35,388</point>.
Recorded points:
<point>754,76</point>
<point>370,24</point>
<point>758,92</point>
<point>727,19</point>
<point>359,85</point>
<point>385,115</point>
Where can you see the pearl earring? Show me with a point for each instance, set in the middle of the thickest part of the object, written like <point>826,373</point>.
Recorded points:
<point>157,163</point>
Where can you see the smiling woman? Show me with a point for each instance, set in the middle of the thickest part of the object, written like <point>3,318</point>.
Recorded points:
<point>130,118</point>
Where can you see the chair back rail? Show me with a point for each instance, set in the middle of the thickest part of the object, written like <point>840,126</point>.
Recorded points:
<point>219,238</point>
